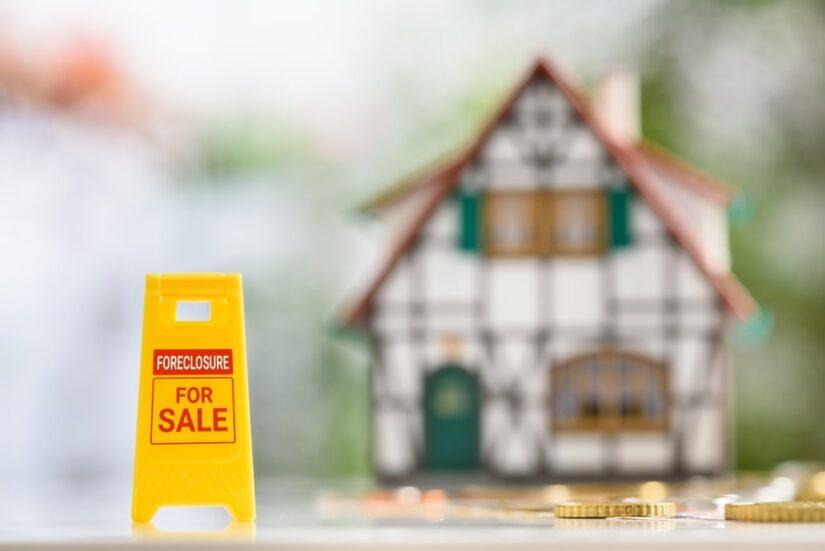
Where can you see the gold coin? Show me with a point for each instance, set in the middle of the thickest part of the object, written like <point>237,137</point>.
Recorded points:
<point>812,489</point>
<point>615,509</point>
<point>778,511</point>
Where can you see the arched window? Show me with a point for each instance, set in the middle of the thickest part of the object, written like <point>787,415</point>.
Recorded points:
<point>609,391</point>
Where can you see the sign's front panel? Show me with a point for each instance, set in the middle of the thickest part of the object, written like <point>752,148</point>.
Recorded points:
<point>192,410</point>
<point>193,442</point>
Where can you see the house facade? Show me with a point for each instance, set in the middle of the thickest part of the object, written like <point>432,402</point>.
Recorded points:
<point>555,300</point>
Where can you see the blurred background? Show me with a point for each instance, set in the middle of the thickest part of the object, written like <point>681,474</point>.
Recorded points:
<point>242,137</point>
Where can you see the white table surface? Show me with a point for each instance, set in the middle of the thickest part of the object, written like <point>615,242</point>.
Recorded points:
<point>85,515</point>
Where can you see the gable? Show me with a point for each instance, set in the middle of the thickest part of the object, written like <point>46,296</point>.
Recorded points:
<point>542,142</point>
<point>545,134</point>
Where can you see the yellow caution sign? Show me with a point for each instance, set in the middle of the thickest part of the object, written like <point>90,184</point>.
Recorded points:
<point>194,445</point>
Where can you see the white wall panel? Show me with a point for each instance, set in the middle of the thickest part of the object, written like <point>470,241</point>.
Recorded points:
<point>533,381</point>
<point>494,419</point>
<point>450,322</point>
<point>583,146</point>
<point>396,288</point>
<point>402,373</point>
<point>517,453</point>
<point>394,454</point>
<point>702,315</point>
<point>640,273</point>
<point>443,224</point>
<point>504,146</point>
<point>577,454</point>
<point>640,318</point>
<point>577,298</point>
<point>704,441</point>
<point>709,374</point>
<point>512,358</point>
<point>645,221</point>
<point>692,283</point>
<point>690,360</point>
<point>511,176</point>
<point>655,347</point>
<point>541,139</point>
<point>644,453</point>
<point>575,175</point>
<point>566,348</point>
<point>448,276</point>
<point>512,294</point>
<point>552,100</point>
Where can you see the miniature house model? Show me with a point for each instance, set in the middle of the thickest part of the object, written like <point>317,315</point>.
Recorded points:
<point>555,300</point>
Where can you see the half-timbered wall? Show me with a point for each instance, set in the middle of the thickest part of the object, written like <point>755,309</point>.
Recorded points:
<point>517,318</point>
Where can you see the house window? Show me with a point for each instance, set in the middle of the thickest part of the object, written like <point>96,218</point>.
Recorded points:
<point>575,222</point>
<point>545,223</point>
<point>512,223</point>
<point>609,392</point>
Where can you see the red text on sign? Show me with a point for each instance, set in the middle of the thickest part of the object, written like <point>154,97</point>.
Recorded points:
<point>192,362</point>
<point>193,419</point>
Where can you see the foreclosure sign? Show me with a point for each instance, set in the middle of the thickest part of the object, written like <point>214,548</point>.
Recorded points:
<point>193,444</point>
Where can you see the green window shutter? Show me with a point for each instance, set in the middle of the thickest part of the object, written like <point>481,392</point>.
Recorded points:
<point>621,234</point>
<point>470,228</point>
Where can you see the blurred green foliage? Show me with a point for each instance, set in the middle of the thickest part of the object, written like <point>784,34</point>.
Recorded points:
<point>252,143</point>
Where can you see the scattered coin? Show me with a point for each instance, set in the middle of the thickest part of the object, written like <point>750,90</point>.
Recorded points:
<point>778,511</point>
<point>616,509</point>
<point>812,488</point>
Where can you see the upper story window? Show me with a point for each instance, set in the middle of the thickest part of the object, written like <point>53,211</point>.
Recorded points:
<point>544,223</point>
<point>576,221</point>
<point>608,392</point>
<point>512,223</point>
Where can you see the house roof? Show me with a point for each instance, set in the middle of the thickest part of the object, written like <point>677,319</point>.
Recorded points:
<point>686,174</point>
<point>635,159</point>
<point>423,177</point>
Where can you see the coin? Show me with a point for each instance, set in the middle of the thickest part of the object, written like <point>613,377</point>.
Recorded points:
<point>615,509</point>
<point>777,511</point>
<point>812,489</point>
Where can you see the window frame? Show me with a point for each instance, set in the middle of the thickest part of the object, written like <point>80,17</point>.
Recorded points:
<point>532,249</point>
<point>614,421</point>
<point>543,222</point>
<point>548,223</point>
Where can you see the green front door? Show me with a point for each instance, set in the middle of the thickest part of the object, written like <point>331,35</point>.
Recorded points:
<point>451,419</point>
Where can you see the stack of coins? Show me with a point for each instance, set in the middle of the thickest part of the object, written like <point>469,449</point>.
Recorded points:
<point>779,511</point>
